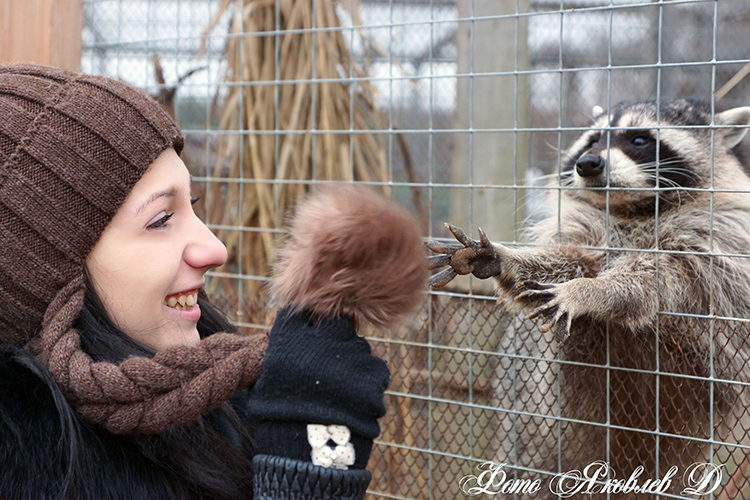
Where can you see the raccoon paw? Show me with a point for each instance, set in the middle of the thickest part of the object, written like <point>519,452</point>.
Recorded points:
<point>556,309</point>
<point>469,257</point>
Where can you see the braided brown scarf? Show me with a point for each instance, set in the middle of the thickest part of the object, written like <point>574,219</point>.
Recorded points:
<point>143,394</point>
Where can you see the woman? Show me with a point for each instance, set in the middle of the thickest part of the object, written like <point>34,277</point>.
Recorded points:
<point>118,377</point>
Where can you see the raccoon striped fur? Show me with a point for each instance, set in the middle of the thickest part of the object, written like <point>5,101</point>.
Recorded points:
<point>641,274</point>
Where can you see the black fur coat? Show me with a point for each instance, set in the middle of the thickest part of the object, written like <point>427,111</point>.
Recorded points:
<point>47,452</point>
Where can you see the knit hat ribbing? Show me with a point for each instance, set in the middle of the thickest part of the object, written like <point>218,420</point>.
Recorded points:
<point>72,147</point>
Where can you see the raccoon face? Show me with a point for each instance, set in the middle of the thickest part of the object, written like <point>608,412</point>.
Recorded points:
<point>635,156</point>
<point>632,158</point>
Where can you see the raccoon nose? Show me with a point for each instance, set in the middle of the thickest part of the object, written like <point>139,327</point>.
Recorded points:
<point>590,165</point>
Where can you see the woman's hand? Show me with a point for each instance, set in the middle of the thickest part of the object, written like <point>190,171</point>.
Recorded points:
<point>317,376</point>
<point>470,257</point>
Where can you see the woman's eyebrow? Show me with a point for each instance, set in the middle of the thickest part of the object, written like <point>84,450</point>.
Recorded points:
<point>173,191</point>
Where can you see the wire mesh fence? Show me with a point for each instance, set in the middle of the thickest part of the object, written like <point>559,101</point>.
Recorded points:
<point>462,110</point>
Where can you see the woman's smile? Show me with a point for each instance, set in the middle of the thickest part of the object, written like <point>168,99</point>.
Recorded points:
<point>183,300</point>
<point>184,305</point>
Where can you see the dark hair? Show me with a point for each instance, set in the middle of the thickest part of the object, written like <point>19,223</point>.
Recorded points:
<point>209,458</point>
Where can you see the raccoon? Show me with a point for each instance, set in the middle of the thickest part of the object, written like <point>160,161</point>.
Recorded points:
<point>639,278</point>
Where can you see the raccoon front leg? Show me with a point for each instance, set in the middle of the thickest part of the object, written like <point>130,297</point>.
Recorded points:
<point>508,266</point>
<point>624,294</point>
<point>551,264</point>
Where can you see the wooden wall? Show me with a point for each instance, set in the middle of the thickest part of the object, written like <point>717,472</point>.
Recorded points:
<point>42,31</point>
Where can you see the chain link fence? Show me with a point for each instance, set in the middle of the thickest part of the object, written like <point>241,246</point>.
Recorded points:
<point>457,109</point>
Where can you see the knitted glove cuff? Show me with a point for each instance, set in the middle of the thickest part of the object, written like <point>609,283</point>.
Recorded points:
<point>277,478</point>
<point>295,440</point>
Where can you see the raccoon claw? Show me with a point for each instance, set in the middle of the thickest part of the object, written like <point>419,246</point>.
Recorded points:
<point>448,249</point>
<point>459,234</point>
<point>534,292</point>
<point>438,261</point>
<point>562,328</point>
<point>553,310</point>
<point>442,278</point>
<point>555,319</point>
<point>470,257</point>
<point>548,311</point>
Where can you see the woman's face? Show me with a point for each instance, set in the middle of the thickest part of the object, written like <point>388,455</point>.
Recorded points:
<point>150,260</point>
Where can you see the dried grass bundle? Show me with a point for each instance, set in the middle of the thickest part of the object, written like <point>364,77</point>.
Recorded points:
<point>273,120</point>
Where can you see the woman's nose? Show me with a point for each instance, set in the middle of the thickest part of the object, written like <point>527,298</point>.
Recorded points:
<point>205,251</point>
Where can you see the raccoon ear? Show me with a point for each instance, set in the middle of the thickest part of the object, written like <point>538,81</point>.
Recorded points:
<point>596,111</point>
<point>739,119</point>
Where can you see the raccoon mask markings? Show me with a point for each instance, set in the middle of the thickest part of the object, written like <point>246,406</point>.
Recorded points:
<point>655,159</point>
<point>630,157</point>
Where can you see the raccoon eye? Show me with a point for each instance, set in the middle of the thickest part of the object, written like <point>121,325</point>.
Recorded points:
<point>640,141</point>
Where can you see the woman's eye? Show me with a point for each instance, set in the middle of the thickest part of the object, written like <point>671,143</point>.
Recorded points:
<point>160,221</point>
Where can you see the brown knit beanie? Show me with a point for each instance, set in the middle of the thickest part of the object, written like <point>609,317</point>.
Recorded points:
<point>72,146</point>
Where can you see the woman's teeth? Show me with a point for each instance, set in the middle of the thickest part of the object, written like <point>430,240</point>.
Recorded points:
<point>182,301</point>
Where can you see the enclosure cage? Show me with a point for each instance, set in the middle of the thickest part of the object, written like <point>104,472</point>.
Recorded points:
<point>458,110</point>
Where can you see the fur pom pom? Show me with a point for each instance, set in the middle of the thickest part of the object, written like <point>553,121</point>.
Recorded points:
<point>351,252</point>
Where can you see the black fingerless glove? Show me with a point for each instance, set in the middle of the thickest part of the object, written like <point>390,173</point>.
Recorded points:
<point>321,373</point>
